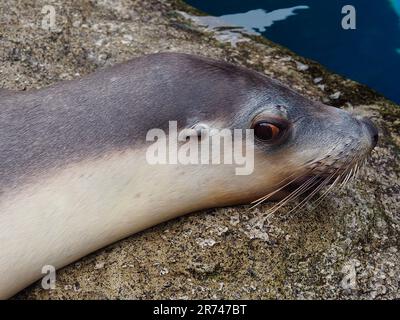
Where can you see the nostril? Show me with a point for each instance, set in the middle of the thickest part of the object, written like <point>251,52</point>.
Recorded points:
<point>373,131</point>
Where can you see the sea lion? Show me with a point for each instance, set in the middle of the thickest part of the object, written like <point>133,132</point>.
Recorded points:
<point>74,176</point>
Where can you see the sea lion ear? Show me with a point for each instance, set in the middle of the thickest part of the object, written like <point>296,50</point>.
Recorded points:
<point>196,131</point>
<point>200,128</point>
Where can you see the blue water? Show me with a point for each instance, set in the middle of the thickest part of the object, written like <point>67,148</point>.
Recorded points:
<point>370,54</point>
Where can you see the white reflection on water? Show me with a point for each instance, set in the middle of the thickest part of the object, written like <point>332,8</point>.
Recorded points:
<point>229,28</point>
<point>258,20</point>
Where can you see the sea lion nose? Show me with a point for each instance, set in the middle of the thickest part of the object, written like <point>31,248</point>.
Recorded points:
<point>373,131</point>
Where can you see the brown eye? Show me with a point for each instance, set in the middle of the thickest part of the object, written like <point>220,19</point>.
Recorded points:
<point>266,131</point>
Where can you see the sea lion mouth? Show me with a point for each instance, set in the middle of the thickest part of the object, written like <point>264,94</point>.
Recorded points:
<point>308,185</point>
<point>305,187</point>
<point>317,180</point>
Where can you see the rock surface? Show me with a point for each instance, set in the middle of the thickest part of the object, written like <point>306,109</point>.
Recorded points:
<point>348,248</point>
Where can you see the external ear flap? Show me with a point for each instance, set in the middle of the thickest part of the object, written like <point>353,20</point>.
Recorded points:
<point>195,131</point>
<point>199,128</point>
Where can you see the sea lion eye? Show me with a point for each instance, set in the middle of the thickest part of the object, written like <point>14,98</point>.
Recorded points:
<point>267,131</point>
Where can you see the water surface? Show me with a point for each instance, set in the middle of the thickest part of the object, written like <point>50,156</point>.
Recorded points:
<point>312,28</point>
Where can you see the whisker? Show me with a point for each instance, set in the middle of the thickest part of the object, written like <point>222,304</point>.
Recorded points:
<point>342,176</point>
<point>260,200</point>
<point>303,202</point>
<point>325,194</point>
<point>346,178</point>
<point>319,188</point>
<point>266,197</point>
<point>339,177</point>
<point>305,186</point>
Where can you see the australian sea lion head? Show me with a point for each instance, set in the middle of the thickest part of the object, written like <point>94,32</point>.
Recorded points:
<point>300,144</point>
